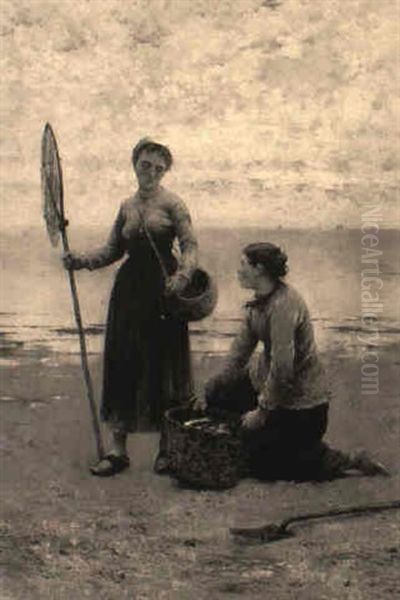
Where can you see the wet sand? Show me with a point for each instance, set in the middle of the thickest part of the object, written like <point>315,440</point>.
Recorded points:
<point>68,535</point>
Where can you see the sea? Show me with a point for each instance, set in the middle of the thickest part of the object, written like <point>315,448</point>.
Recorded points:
<point>326,267</point>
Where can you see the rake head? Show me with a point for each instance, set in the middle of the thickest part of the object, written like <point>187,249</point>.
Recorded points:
<point>261,535</point>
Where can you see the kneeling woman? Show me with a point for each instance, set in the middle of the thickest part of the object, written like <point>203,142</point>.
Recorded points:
<point>281,392</point>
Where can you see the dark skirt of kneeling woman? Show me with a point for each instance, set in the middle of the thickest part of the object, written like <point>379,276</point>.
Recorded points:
<point>289,445</point>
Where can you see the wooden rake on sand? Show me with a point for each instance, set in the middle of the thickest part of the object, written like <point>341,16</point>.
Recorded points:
<point>273,532</point>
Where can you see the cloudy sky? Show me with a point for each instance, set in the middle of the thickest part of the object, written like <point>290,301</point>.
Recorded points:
<point>279,112</point>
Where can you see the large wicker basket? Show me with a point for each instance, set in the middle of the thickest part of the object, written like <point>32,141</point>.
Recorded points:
<point>202,458</point>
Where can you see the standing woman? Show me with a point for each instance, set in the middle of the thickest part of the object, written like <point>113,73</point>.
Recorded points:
<point>147,356</point>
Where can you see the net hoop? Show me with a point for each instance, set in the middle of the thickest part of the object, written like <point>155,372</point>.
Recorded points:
<point>52,186</point>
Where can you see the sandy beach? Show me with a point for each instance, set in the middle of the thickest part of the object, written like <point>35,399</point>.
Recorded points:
<point>281,116</point>
<point>68,535</point>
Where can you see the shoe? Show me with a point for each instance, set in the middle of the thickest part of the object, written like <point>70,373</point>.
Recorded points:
<point>364,463</point>
<point>111,464</point>
<point>161,464</point>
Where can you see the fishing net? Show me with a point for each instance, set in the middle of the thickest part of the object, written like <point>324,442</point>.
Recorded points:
<point>52,187</point>
<point>53,212</point>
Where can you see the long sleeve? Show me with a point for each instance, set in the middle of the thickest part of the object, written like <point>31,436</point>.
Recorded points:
<point>187,241</point>
<point>240,351</point>
<point>112,251</point>
<point>278,384</point>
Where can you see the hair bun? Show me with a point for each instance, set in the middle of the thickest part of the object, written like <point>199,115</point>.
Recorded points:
<point>270,256</point>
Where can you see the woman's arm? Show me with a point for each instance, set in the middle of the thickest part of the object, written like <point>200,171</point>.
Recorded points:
<point>112,251</point>
<point>278,384</point>
<point>239,354</point>
<point>187,241</point>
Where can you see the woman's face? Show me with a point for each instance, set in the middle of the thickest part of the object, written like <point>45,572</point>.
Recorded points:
<point>150,169</point>
<point>247,274</point>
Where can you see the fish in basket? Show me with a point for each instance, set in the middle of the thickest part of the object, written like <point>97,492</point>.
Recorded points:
<point>205,450</point>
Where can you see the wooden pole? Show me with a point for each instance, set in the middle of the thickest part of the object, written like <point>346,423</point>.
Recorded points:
<point>84,359</point>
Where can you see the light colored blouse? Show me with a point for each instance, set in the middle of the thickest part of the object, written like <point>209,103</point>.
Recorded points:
<point>167,219</point>
<point>287,373</point>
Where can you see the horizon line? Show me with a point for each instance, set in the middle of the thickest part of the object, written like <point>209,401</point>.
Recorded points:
<point>337,227</point>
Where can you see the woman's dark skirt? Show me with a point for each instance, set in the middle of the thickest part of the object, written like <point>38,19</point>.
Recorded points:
<point>147,356</point>
<point>289,446</point>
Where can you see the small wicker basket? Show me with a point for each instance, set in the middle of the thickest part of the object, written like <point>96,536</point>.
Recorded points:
<point>208,457</point>
<point>197,300</point>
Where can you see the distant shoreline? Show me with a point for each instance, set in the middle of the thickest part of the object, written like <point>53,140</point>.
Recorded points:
<point>40,227</point>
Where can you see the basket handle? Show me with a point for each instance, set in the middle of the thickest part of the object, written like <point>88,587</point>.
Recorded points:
<point>153,245</point>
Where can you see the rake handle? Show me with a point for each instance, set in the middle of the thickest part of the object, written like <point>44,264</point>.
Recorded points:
<point>350,510</point>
